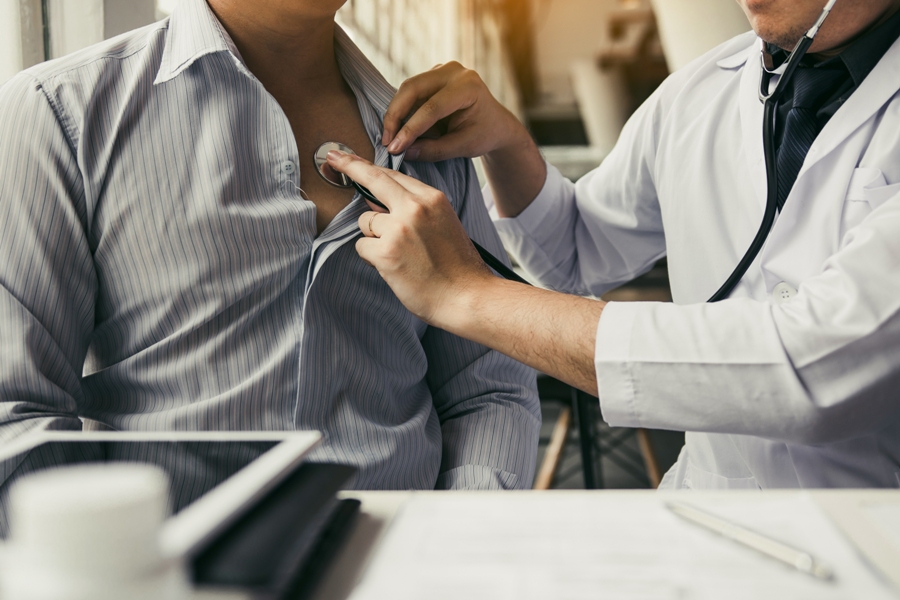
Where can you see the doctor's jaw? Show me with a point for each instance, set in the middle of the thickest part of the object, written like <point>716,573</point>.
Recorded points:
<point>783,22</point>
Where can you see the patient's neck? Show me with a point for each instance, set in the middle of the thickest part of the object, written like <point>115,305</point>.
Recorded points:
<point>285,48</point>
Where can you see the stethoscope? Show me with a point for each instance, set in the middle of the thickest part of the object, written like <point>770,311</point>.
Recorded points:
<point>320,158</point>
<point>770,101</point>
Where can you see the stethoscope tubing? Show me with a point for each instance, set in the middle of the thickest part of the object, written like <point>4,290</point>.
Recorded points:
<point>769,214</point>
<point>770,100</point>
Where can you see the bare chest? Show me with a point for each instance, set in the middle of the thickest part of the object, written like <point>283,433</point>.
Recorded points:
<point>312,127</point>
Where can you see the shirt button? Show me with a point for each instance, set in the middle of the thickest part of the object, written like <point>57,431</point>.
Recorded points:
<point>783,292</point>
<point>287,167</point>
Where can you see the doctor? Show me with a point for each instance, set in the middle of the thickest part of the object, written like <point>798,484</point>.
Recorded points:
<point>793,380</point>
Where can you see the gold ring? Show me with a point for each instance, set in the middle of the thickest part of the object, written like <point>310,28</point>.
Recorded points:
<point>372,218</point>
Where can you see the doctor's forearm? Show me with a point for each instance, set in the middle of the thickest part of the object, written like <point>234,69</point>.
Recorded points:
<point>516,174</point>
<point>549,331</point>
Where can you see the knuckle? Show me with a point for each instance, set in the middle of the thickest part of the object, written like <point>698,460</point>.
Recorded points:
<point>416,214</point>
<point>437,153</point>
<point>436,198</point>
<point>405,230</point>
<point>429,109</point>
<point>470,75</point>
<point>472,79</point>
<point>377,174</point>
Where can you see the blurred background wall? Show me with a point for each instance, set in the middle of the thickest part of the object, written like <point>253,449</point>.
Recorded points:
<point>406,37</point>
<point>573,70</point>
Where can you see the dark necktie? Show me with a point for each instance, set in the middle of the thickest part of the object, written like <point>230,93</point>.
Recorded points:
<point>812,87</point>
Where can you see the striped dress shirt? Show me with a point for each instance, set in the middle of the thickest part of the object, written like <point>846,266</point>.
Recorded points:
<point>159,270</point>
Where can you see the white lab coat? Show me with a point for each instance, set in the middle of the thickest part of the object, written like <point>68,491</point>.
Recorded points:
<point>795,380</point>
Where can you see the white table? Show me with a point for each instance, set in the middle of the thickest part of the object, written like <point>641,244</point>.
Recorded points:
<point>379,509</point>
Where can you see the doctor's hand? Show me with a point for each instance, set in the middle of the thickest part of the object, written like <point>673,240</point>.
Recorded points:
<point>455,112</point>
<point>420,248</point>
<point>452,114</point>
<point>422,251</point>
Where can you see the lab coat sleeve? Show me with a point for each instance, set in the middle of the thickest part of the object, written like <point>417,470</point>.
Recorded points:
<point>47,278</point>
<point>821,368</point>
<point>591,236</point>
<point>486,402</point>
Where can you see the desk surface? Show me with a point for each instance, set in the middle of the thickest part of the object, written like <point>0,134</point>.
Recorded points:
<point>379,509</point>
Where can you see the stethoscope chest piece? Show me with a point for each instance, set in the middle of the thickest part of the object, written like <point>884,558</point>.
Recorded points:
<point>324,169</point>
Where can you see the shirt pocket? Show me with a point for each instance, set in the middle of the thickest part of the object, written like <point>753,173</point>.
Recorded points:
<point>868,190</point>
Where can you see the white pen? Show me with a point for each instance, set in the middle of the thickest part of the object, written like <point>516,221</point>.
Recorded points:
<point>798,559</point>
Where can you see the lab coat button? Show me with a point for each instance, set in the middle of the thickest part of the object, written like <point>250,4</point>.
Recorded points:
<point>783,292</point>
<point>288,167</point>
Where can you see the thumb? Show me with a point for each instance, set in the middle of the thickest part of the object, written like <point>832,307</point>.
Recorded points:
<point>367,248</point>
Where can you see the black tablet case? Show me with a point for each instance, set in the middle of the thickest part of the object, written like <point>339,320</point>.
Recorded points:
<point>282,545</point>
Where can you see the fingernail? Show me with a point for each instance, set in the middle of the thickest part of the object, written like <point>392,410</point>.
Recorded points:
<point>412,154</point>
<point>394,147</point>
<point>385,138</point>
<point>334,154</point>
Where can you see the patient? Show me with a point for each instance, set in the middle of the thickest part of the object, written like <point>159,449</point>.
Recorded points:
<point>171,260</point>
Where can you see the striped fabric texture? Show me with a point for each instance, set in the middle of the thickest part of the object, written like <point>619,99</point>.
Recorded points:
<point>159,270</point>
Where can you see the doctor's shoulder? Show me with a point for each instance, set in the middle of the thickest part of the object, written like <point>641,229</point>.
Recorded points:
<point>722,63</point>
<point>693,88</point>
<point>732,54</point>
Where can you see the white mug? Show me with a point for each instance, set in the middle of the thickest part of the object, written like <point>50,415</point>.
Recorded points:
<point>89,532</point>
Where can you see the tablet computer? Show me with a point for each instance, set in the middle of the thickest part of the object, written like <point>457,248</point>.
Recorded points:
<point>215,478</point>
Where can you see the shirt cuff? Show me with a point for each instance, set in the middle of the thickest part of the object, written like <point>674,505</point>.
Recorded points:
<point>612,354</point>
<point>534,237</point>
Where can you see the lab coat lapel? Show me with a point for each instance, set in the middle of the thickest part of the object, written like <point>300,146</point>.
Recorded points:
<point>877,89</point>
<point>752,124</point>
<point>798,244</point>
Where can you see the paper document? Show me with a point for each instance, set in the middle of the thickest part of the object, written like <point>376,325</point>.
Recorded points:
<point>886,517</point>
<point>576,546</point>
<point>870,519</point>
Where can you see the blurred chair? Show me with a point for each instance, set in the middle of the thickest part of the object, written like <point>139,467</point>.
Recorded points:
<point>581,410</point>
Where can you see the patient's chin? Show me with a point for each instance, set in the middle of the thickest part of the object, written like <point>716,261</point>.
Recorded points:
<point>314,8</point>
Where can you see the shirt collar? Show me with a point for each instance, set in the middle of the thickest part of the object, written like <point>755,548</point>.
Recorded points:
<point>194,31</point>
<point>863,54</point>
<point>373,92</point>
